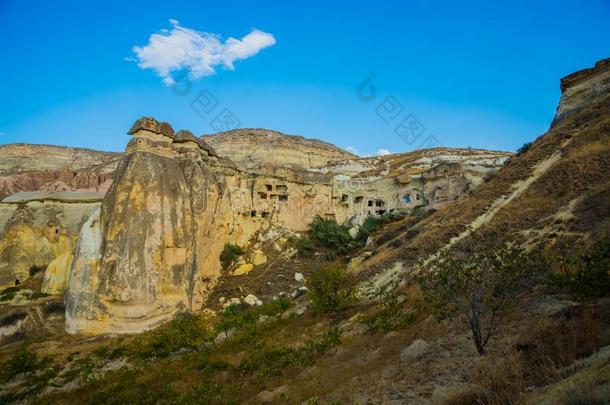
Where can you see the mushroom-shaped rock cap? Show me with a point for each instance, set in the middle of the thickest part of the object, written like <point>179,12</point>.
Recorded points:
<point>152,125</point>
<point>184,135</point>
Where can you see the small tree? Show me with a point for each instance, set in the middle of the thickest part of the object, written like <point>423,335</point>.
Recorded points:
<point>229,255</point>
<point>484,282</point>
<point>331,288</point>
<point>328,233</point>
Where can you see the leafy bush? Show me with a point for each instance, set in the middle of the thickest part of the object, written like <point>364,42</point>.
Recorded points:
<point>328,233</point>
<point>524,148</point>
<point>392,316</point>
<point>483,281</point>
<point>272,361</point>
<point>229,255</point>
<point>370,225</point>
<point>331,288</point>
<point>186,331</point>
<point>583,275</point>
<point>303,245</point>
<point>24,361</point>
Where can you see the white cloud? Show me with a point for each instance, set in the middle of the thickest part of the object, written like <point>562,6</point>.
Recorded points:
<point>382,152</point>
<point>196,52</point>
<point>352,150</point>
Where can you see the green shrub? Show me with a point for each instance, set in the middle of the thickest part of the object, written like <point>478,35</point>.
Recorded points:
<point>303,245</point>
<point>331,288</point>
<point>186,331</point>
<point>584,275</point>
<point>392,316</point>
<point>272,361</point>
<point>24,361</point>
<point>8,293</point>
<point>35,269</point>
<point>329,234</point>
<point>370,225</point>
<point>241,317</point>
<point>229,255</point>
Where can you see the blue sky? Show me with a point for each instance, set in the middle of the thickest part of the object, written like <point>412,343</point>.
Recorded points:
<point>480,74</point>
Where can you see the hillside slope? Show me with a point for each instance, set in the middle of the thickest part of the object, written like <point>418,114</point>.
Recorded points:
<point>558,187</point>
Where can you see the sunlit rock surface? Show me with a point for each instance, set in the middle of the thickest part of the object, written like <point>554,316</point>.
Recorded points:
<point>153,251</point>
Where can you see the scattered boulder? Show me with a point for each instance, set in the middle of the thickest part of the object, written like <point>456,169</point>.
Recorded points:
<point>299,278</point>
<point>243,269</point>
<point>299,292</point>
<point>252,300</point>
<point>224,335</point>
<point>271,395</point>
<point>415,350</point>
<point>230,302</point>
<point>258,257</point>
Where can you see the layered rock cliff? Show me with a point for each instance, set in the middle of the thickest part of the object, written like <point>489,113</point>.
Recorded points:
<point>54,168</point>
<point>253,148</point>
<point>152,249</point>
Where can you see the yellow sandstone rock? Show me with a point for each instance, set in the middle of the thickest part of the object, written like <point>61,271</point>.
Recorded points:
<point>22,248</point>
<point>243,269</point>
<point>258,257</point>
<point>57,274</point>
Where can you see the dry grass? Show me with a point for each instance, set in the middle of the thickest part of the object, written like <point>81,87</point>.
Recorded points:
<point>547,352</point>
<point>540,357</point>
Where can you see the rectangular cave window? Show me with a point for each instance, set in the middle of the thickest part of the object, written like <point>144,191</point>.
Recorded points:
<point>344,197</point>
<point>264,214</point>
<point>379,203</point>
<point>406,198</point>
<point>273,197</point>
<point>417,197</point>
<point>269,187</point>
<point>281,188</point>
<point>381,212</point>
<point>252,213</point>
<point>358,199</point>
<point>283,198</point>
<point>262,196</point>
<point>370,204</point>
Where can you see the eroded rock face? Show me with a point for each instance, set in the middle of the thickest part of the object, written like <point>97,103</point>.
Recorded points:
<point>36,228</point>
<point>251,148</point>
<point>22,248</point>
<point>153,251</point>
<point>54,168</point>
<point>582,88</point>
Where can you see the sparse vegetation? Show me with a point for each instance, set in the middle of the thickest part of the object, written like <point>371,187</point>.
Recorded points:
<point>393,315</point>
<point>583,275</point>
<point>187,331</point>
<point>303,245</point>
<point>23,361</point>
<point>8,293</point>
<point>331,288</point>
<point>483,281</point>
<point>229,255</point>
